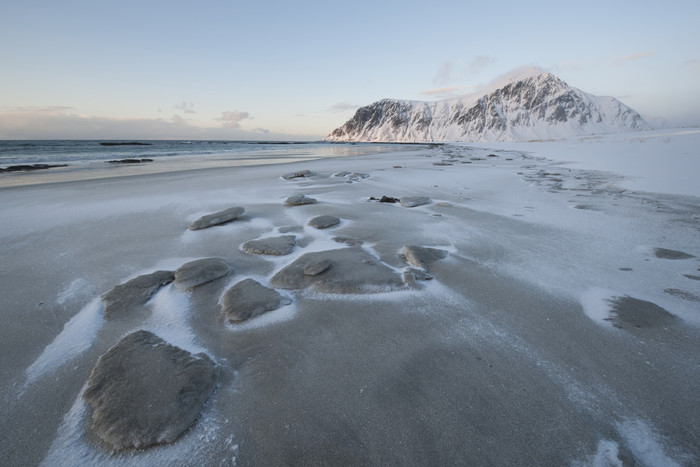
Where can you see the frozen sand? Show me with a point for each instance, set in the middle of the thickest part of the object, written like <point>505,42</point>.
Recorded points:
<point>508,356</point>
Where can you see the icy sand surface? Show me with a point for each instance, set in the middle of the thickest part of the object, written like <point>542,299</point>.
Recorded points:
<point>554,330</point>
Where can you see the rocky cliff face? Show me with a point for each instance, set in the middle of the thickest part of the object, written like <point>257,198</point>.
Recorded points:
<point>537,105</point>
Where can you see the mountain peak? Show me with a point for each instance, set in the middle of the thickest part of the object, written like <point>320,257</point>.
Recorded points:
<point>525,104</point>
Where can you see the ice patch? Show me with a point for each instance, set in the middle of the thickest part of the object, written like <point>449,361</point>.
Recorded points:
<point>595,303</point>
<point>76,289</point>
<point>76,337</point>
<point>647,447</point>
<point>170,319</point>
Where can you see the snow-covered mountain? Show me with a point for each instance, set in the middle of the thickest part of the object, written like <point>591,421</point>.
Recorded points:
<point>530,105</point>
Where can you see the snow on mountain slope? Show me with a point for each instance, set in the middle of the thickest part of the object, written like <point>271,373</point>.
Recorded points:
<point>531,105</point>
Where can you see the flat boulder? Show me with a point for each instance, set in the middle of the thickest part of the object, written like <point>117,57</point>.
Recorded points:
<point>299,200</point>
<point>217,218</point>
<point>323,222</point>
<point>353,271</point>
<point>248,299</point>
<point>137,291</point>
<point>420,256</point>
<point>314,268</point>
<point>200,271</point>
<point>413,201</point>
<point>277,246</point>
<point>144,391</point>
<point>665,253</point>
<point>297,174</point>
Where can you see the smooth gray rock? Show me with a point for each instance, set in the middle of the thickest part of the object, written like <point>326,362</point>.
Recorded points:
<point>200,271</point>
<point>422,257</point>
<point>297,174</point>
<point>299,200</point>
<point>137,291</point>
<point>248,299</point>
<point>277,246</point>
<point>315,268</point>
<point>413,201</point>
<point>665,253</point>
<point>323,222</point>
<point>144,391</point>
<point>410,276</point>
<point>217,218</point>
<point>354,271</point>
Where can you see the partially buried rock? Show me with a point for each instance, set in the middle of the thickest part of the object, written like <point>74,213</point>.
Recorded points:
<point>410,276</point>
<point>277,246</point>
<point>413,201</point>
<point>199,272</point>
<point>323,222</point>
<point>630,312</point>
<point>348,241</point>
<point>421,256</point>
<point>353,271</point>
<point>665,253</point>
<point>299,200</point>
<point>297,174</point>
<point>137,291</point>
<point>217,218</point>
<point>248,299</point>
<point>144,391</point>
<point>314,268</point>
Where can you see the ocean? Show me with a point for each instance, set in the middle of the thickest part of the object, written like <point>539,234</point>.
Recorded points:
<point>82,152</point>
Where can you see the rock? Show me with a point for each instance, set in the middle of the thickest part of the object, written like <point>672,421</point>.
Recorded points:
<point>352,177</point>
<point>422,257</point>
<point>353,271</point>
<point>315,268</point>
<point>413,201</point>
<point>129,161</point>
<point>665,253</point>
<point>248,299</point>
<point>137,291</point>
<point>384,199</point>
<point>277,246</point>
<point>348,241</point>
<point>29,167</point>
<point>323,222</point>
<point>200,272</point>
<point>299,200</point>
<point>144,391</point>
<point>629,312</point>
<point>297,174</point>
<point>217,218</point>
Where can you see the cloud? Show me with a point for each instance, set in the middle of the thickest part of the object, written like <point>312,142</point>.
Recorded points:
<point>444,93</point>
<point>48,109</point>
<point>341,107</point>
<point>232,119</point>
<point>633,57</point>
<point>692,61</point>
<point>480,63</point>
<point>444,74</point>
<point>178,120</point>
<point>186,107</point>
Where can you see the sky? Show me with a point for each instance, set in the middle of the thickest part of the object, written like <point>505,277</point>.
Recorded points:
<point>281,70</point>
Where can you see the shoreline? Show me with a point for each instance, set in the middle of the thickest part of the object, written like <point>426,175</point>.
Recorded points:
<point>520,347</point>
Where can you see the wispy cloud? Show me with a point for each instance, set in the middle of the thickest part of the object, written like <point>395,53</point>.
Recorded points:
<point>232,118</point>
<point>632,57</point>
<point>48,109</point>
<point>186,107</point>
<point>692,61</point>
<point>178,120</point>
<point>341,107</point>
<point>444,74</point>
<point>444,93</point>
<point>480,63</point>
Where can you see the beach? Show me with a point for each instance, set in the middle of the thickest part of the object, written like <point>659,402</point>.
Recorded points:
<point>508,309</point>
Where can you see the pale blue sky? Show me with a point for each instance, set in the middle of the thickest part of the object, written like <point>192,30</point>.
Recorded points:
<point>290,70</point>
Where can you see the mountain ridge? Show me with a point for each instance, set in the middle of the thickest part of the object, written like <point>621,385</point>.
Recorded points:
<point>528,105</point>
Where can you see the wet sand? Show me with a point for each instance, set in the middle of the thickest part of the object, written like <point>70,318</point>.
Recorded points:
<point>523,348</point>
